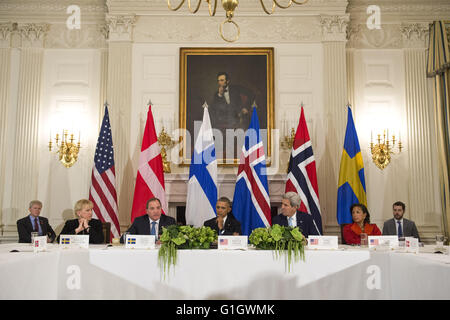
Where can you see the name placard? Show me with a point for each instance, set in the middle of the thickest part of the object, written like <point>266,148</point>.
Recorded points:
<point>232,243</point>
<point>323,242</point>
<point>383,242</point>
<point>40,244</point>
<point>135,241</point>
<point>67,241</point>
<point>411,244</point>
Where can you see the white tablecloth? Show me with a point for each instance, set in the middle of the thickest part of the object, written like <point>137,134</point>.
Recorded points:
<point>118,273</point>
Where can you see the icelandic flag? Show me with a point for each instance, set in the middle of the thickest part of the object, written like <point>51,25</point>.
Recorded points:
<point>251,203</point>
<point>202,186</point>
<point>302,175</point>
<point>351,185</point>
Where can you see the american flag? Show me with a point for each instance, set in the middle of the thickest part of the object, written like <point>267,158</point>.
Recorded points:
<point>302,175</point>
<point>224,242</point>
<point>314,241</point>
<point>251,203</point>
<point>103,183</point>
<point>374,242</point>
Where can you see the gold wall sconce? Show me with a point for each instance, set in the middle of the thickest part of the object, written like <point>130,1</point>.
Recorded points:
<point>288,140</point>
<point>66,147</point>
<point>382,150</point>
<point>165,141</point>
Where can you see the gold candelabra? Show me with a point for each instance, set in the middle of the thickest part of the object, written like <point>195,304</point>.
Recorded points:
<point>165,141</point>
<point>382,150</point>
<point>67,148</point>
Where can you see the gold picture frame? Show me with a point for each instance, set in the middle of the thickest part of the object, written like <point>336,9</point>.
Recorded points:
<point>250,72</point>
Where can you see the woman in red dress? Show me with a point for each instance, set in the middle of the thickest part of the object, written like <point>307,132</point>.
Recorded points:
<point>361,224</point>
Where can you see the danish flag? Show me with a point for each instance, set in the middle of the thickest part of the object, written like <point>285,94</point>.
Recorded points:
<point>150,175</point>
<point>302,176</point>
<point>251,203</point>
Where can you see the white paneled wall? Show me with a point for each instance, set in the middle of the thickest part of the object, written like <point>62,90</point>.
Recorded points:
<point>70,100</point>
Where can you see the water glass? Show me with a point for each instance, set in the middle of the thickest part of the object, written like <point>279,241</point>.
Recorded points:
<point>124,235</point>
<point>33,235</point>
<point>364,242</point>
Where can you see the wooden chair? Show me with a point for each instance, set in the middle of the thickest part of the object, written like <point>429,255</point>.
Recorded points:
<point>106,227</point>
<point>342,233</point>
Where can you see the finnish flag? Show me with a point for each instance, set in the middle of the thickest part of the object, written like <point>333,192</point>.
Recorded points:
<point>202,185</point>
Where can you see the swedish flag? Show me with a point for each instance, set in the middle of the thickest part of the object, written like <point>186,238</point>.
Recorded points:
<point>352,185</point>
<point>131,240</point>
<point>65,240</point>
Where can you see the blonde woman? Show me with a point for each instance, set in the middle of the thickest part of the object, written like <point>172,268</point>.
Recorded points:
<point>84,224</point>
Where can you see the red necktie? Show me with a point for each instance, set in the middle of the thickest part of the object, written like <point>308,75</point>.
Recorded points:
<point>36,226</point>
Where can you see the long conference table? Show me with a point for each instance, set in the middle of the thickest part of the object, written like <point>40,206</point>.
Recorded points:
<point>102,272</point>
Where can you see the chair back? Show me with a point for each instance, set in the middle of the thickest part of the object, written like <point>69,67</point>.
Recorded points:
<point>342,233</point>
<point>106,227</point>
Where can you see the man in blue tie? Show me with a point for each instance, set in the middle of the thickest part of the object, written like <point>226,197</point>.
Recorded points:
<point>292,217</point>
<point>152,222</point>
<point>400,226</point>
<point>34,223</point>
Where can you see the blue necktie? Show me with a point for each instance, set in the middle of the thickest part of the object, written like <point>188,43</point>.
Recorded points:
<point>153,231</point>
<point>291,221</point>
<point>400,231</point>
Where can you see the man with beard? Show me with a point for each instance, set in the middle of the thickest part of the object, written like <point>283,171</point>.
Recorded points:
<point>398,225</point>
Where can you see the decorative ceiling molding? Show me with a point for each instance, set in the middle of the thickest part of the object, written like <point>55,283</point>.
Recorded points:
<point>398,11</point>
<point>246,8</point>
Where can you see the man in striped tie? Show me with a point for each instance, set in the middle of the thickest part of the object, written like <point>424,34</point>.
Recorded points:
<point>292,217</point>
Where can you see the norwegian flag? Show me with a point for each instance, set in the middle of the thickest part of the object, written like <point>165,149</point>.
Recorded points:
<point>103,181</point>
<point>251,203</point>
<point>302,176</point>
<point>150,175</point>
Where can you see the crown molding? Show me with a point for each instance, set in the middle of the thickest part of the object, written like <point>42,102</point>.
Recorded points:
<point>245,8</point>
<point>50,11</point>
<point>398,11</point>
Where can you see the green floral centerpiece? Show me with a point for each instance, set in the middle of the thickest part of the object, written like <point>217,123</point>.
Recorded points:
<point>283,240</point>
<point>182,237</point>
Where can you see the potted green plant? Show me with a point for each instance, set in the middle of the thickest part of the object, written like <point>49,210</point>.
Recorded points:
<point>282,240</point>
<point>182,237</point>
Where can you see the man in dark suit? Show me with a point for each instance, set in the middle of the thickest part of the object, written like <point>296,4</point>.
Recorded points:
<point>225,223</point>
<point>231,106</point>
<point>34,223</point>
<point>292,217</point>
<point>399,225</point>
<point>152,222</point>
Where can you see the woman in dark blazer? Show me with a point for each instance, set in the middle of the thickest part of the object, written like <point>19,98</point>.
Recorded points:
<point>84,224</point>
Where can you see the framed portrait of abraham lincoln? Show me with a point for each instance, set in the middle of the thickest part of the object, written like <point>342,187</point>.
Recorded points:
<point>231,81</point>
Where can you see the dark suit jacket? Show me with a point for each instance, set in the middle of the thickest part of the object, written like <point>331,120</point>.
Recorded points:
<point>95,230</point>
<point>24,228</point>
<point>304,223</point>
<point>409,228</point>
<point>231,225</point>
<point>141,225</point>
<point>224,115</point>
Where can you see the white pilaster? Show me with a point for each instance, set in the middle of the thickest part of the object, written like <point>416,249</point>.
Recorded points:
<point>5,61</point>
<point>119,99</point>
<point>335,102</point>
<point>26,157</point>
<point>423,205</point>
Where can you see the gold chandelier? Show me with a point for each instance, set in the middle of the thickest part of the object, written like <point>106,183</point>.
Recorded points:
<point>229,6</point>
